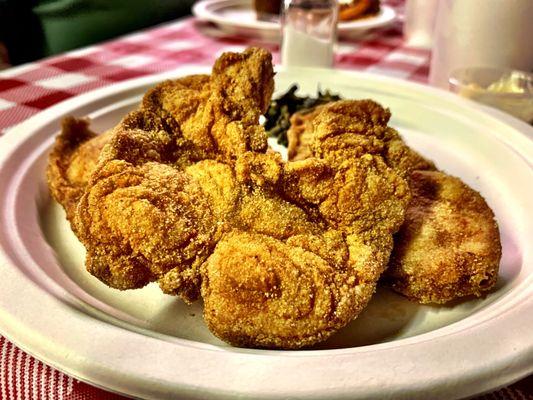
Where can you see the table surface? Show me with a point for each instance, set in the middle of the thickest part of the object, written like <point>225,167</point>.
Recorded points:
<point>31,88</point>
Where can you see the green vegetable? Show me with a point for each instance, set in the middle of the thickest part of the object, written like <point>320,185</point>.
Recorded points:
<point>281,109</point>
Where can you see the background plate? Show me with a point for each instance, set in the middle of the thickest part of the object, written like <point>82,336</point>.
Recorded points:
<point>239,17</point>
<point>146,344</point>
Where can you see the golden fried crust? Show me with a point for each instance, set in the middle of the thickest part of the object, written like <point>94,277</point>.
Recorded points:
<point>154,215</point>
<point>291,274</point>
<point>218,116</point>
<point>141,137</point>
<point>218,182</point>
<point>72,160</point>
<point>444,267</point>
<point>402,158</point>
<point>242,85</point>
<point>311,240</point>
<point>142,216</point>
<point>247,78</point>
<point>366,198</point>
<point>291,280</point>
<point>77,148</point>
<point>180,103</point>
<point>348,129</point>
<point>262,292</point>
<point>179,98</point>
<point>449,245</point>
<point>159,198</point>
<point>307,182</point>
<point>284,254</point>
<point>300,134</point>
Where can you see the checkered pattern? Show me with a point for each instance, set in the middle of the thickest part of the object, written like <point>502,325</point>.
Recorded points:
<point>28,89</point>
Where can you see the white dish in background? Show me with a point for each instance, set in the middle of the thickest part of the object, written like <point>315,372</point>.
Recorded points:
<point>238,17</point>
<point>149,345</point>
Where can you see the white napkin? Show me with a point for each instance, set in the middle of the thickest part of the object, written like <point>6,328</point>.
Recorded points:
<point>496,33</point>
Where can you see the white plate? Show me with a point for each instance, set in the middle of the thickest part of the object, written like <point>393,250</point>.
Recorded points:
<point>150,345</point>
<point>239,17</point>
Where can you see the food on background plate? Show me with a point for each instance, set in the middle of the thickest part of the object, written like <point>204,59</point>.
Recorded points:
<point>267,9</point>
<point>350,10</point>
<point>186,192</point>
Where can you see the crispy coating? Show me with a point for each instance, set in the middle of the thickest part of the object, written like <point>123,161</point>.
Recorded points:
<point>139,221</point>
<point>77,148</point>
<point>149,218</point>
<point>283,254</point>
<point>434,258</point>
<point>72,160</point>
<point>262,292</point>
<point>449,245</point>
<point>300,134</point>
<point>218,116</point>
<point>293,274</point>
<point>322,237</point>
<point>365,130</point>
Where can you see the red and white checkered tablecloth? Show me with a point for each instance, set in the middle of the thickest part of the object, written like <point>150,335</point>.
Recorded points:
<point>28,89</point>
<point>31,88</point>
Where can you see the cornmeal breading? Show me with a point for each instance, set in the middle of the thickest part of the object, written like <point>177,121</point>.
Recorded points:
<point>72,161</point>
<point>185,192</point>
<point>449,245</point>
<point>283,254</point>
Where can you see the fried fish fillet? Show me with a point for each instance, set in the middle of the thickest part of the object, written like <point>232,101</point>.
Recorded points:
<point>145,215</point>
<point>283,254</point>
<point>449,245</point>
<point>75,153</point>
<point>310,134</point>
<point>72,160</point>
<point>297,271</point>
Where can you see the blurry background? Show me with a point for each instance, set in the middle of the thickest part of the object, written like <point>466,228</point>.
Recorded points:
<point>33,29</point>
